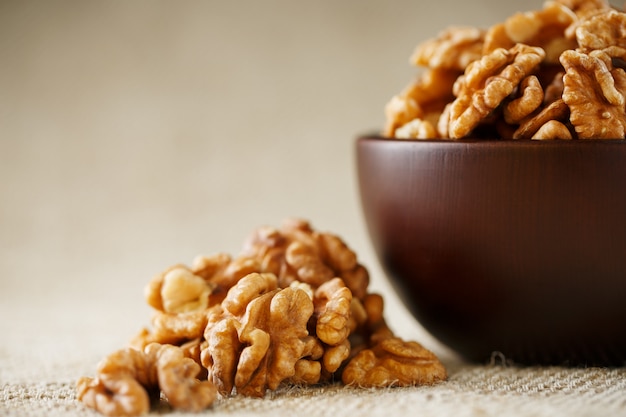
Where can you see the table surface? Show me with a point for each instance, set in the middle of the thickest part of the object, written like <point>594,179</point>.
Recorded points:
<point>136,135</point>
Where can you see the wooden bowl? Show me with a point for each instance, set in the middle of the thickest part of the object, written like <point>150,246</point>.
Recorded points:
<point>514,248</point>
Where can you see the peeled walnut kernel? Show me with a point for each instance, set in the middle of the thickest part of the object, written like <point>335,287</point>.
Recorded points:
<point>544,28</point>
<point>416,129</point>
<point>594,93</point>
<point>257,344</point>
<point>183,292</point>
<point>172,328</point>
<point>486,83</point>
<point>128,378</point>
<point>553,130</point>
<point>454,48</point>
<point>297,253</point>
<point>283,317</point>
<point>333,303</point>
<point>557,110</point>
<point>531,97</point>
<point>394,362</point>
<point>602,30</point>
<point>399,111</point>
<point>422,99</point>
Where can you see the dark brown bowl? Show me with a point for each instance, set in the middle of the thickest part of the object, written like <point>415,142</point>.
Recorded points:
<point>509,247</point>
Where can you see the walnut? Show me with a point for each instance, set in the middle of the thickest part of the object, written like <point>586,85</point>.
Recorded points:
<point>297,253</point>
<point>423,99</point>
<point>594,92</point>
<point>264,334</point>
<point>399,111</point>
<point>545,28</point>
<point>454,48</point>
<point>486,83</point>
<point>122,386</point>
<point>333,322</point>
<point>529,100</point>
<point>305,259</point>
<point>182,291</point>
<point>602,30</point>
<point>556,110</point>
<point>172,328</point>
<point>177,379</point>
<point>553,129</point>
<point>376,327</point>
<point>583,9</point>
<point>221,271</point>
<point>394,362</point>
<point>416,129</point>
<point>129,378</point>
<point>247,289</point>
<point>333,307</point>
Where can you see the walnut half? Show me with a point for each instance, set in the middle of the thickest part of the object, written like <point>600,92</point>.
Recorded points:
<point>129,378</point>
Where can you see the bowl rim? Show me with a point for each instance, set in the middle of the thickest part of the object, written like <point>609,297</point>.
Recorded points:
<point>377,137</point>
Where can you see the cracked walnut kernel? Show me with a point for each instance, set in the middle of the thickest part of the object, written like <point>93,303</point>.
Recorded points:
<point>487,82</point>
<point>594,93</point>
<point>394,362</point>
<point>129,378</point>
<point>264,334</point>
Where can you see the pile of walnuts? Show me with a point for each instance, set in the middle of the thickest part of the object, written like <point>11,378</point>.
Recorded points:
<point>292,308</point>
<point>554,73</point>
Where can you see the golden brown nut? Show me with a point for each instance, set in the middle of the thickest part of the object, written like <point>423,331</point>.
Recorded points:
<point>297,253</point>
<point>394,362</point>
<point>486,83</point>
<point>247,289</point>
<point>425,99</point>
<point>177,379</point>
<point>529,100</point>
<point>122,385</point>
<point>400,110</point>
<point>258,345</point>
<point>128,378</point>
<point>556,110</point>
<point>602,30</point>
<point>172,328</point>
<point>544,28</point>
<point>416,129</point>
<point>182,291</point>
<point>222,337</point>
<point>308,370</point>
<point>454,48</point>
<point>584,8</point>
<point>306,261</point>
<point>333,307</point>
<point>152,291</point>
<point>221,271</point>
<point>594,93</point>
<point>553,130</point>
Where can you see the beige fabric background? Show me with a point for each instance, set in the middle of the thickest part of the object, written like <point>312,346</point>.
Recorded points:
<point>137,134</point>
